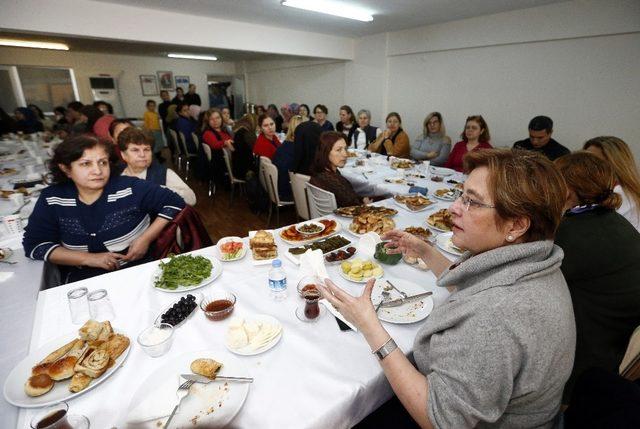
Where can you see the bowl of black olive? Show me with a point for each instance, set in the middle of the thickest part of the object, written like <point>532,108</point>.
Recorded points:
<point>178,312</point>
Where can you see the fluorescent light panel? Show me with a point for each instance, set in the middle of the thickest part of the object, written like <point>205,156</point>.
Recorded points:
<point>194,57</point>
<point>330,8</point>
<point>37,45</point>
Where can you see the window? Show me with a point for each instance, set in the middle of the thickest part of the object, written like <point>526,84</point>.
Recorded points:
<point>46,87</point>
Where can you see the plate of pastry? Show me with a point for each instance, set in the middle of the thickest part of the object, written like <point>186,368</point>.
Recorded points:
<point>440,221</point>
<point>447,194</point>
<point>443,241</point>
<point>67,366</point>
<point>212,402</point>
<point>263,247</point>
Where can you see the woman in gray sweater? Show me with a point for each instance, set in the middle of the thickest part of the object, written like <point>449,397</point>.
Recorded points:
<point>499,350</point>
<point>434,145</point>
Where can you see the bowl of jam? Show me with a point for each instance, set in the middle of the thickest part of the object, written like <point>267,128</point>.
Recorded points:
<point>219,305</point>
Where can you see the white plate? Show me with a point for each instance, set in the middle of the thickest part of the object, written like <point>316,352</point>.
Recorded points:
<point>311,239</point>
<point>245,351</point>
<point>441,171</point>
<point>443,241</point>
<point>435,228</point>
<point>395,180</point>
<point>203,399</point>
<point>346,277</point>
<point>448,199</point>
<point>243,251</point>
<point>14,384</point>
<point>215,273</point>
<point>410,312</point>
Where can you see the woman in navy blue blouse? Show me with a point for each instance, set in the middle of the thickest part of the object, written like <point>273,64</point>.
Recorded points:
<point>91,222</point>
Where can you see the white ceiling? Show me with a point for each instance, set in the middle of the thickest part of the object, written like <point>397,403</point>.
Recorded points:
<point>389,15</point>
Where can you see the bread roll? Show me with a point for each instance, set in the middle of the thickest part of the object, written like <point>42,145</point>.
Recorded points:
<point>91,330</point>
<point>207,367</point>
<point>79,382</point>
<point>38,385</point>
<point>62,368</point>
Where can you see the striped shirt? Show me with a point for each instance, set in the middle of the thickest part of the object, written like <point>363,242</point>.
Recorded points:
<point>123,212</point>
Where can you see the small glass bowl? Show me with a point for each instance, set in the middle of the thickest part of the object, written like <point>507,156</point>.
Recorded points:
<point>306,281</point>
<point>155,341</point>
<point>225,308</point>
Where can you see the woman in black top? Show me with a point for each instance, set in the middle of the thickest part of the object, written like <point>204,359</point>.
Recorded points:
<point>244,138</point>
<point>601,265</point>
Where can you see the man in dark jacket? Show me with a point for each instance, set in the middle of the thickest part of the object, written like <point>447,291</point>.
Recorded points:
<point>540,129</point>
<point>191,97</point>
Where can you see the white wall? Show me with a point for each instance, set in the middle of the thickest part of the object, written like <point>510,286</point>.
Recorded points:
<point>576,61</point>
<point>125,68</point>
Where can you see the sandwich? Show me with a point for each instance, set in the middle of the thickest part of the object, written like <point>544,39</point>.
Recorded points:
<point>263,246</point>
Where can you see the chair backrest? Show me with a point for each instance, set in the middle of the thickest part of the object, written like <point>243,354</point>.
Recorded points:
<point>261,173</point>
<point>271,177</point>
<point>176,141</point>
<point>195,139</point>
<point>630,366</point>
<point>207,151</point>
<point>226,153</point>
<point>300,193</point>
<point>321,202</point>
<point>183,143</point>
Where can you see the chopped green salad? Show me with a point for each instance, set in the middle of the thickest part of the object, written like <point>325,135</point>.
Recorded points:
<point>183,270</point>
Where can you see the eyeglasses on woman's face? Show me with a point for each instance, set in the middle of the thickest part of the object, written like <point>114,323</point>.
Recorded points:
<point>468,202</point>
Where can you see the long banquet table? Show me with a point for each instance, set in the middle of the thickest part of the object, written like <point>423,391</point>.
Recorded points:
<point>316,376</point>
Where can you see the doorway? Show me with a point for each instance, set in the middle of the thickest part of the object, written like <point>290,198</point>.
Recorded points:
<point>227,91</point>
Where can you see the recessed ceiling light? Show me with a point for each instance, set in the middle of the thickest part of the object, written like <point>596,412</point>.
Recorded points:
<point>194,57</point>
<point>330,8</point>
<point>37,45</point>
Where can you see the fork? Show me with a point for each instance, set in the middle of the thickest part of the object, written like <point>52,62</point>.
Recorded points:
<point>404,295</point>
<point>181,393</point>
<point>385,295</point>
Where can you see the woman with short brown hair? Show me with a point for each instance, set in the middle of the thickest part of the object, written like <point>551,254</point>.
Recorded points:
<point>600,264</point>
<point>498,351</point>
<point>475,136</point>
<point>393,141</point>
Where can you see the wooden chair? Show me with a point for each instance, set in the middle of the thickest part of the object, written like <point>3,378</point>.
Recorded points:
<point>300,197</point>
<point>212,183</point>
<point>271,179</point>
<point>226,153</point>
<point>321,202</point>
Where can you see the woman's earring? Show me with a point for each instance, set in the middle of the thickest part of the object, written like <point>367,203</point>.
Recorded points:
<point>510,238</point>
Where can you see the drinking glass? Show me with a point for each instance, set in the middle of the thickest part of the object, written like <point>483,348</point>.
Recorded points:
<point>57,417</point>
<point>311,311</point>
<point>78,305</point>
<point>100,306</point>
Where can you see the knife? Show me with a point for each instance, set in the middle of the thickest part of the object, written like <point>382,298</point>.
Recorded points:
<point>399,302</point>
<point>205,380</point>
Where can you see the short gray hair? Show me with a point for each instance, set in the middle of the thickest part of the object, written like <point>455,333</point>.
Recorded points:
<point>366,112</point>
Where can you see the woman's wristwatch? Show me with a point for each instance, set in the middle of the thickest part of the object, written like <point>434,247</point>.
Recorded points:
<point>386,349</point>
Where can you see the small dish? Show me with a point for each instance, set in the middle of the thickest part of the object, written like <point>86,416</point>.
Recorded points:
<point>197,300</point>
<point>310,227</point>
<point>156,340</point>
<point>218,306</point>
<point>228,252</point>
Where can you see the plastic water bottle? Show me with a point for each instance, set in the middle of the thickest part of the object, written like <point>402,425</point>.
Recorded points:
<point>277,281</point>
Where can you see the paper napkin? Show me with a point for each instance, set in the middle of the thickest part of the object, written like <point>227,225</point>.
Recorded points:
<point>312,264</point>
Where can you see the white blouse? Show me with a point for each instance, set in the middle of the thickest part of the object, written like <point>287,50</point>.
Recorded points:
<point>628,209</point>
<point>174,182</point>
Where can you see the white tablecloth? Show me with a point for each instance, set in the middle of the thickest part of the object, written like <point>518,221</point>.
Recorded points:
<point>316,377</point>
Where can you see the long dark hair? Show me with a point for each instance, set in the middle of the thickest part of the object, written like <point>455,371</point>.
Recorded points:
<point>321,161</point>
<point>72,149</point>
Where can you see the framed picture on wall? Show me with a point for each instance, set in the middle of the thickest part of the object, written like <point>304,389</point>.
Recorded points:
<point>165,78</point>
<point>182,82</point>
<point>149,84</point>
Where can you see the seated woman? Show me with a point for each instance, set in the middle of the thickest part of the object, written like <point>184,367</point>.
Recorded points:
<point>331,155</point>
<point>272,111</point>
<point>115,128</point>
<point>216,137</point>
<point>304,111</point>
<point>434,145</point>
<point>227,121</point>
<point>244,138</point>
<point>283,160</point>
<point>600,264</point>
<point>474,137</point>
<point>136,147</point>
<point>498,351</point>
<point>347,123</point>
<point>320,113</point>
<point>26,121</point>
<point>267,141</point>
<point>617,153</point>
<point>91,222</point>
<point>364,134</point>
<point>47,122</point>
<point>393,141</point>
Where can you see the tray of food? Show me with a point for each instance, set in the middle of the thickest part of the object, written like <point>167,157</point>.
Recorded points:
<point>371,223</point>
<point>413,202</point>
<point>263,247</point>
<point>420,232</point>
<point>402,163</point>
<point>449,194</point>
<point>292,235</point>
<point>441,220</point>
<point>67,366</point>
<point>185,272</point>
<point>326,245</point>
<point>353,211</point>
